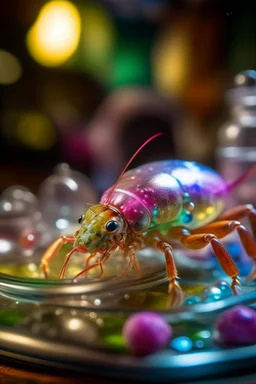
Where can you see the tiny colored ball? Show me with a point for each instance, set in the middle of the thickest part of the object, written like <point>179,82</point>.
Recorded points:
<point>211,294</point>
<point>191,300</point>
<point>225,288</point>
<point>146,333</point>
<point>182,344</point>
<point>236,326</point>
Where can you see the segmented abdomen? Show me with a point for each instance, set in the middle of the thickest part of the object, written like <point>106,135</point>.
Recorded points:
<point>161,192</point>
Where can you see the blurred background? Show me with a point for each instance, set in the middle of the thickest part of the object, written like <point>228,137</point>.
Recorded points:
<point>86,82</point>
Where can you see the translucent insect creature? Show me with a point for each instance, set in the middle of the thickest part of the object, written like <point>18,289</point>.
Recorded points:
<point>156,205</point>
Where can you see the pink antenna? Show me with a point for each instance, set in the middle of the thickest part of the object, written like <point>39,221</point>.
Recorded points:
<point>131,159</point>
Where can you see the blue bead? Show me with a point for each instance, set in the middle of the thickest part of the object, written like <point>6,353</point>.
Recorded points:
<point>192,300</point>
<point>226,291</point>
<point>211,294</point>
<point>186,196</point>
<point>181,344</point>
<point>155,211</point>
<point>187,217</point>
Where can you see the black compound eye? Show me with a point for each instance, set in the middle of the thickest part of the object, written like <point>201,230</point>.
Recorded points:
<point>81,218</point>
<point>112,226</point>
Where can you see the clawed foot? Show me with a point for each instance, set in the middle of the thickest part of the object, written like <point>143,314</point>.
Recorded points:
<point>235,285</point>
<point>175,293</point>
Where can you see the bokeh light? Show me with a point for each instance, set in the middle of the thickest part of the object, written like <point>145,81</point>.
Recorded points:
<point>97,40</point>
<point>130,64</point>
<point>55,35</point>
<point>170,61</point>
<point>10,68</point>
<point>36,130</point>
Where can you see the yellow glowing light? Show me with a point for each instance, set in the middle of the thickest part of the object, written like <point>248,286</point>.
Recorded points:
<point>56,33</point>
<point>171,61</point>
<point>10,68</point>
<point>36,131</point>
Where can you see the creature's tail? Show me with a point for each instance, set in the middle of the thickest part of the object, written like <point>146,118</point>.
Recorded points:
<point>240,179</point>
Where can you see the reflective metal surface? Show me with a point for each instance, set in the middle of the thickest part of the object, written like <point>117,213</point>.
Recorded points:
<point>159,367</point>
<point>77,327</point>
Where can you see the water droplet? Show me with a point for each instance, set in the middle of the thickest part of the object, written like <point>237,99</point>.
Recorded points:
<point>211,294</point>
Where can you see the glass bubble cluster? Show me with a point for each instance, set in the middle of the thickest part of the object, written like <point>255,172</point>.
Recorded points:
<point>29,223</point>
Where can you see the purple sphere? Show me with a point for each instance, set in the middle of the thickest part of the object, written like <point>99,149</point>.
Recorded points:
<point>237,326</point>
<point>146,332</point>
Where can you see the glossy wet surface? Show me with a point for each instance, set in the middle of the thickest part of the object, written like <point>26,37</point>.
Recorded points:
<point>79,326</point>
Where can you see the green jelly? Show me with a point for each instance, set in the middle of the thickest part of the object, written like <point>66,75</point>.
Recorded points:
<point>10,317</point>
<point>115,342</point>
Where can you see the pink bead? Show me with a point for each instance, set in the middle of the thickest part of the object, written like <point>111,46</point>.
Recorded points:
<point>146,332</point>
<point>236,326</point>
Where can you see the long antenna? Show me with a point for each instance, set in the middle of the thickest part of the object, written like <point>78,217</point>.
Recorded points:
<point>131,159</point>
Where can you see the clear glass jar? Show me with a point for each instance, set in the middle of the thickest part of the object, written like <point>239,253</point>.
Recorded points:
<point>236,151</point>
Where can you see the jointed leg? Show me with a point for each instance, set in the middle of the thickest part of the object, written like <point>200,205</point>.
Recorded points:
<point>130,251</point>
<point>224,228</point>
<point>105,256</point>
<point>51,252</point>
<point>242,212</point>
<point>64,267</point>
<point>94,265</point>
<point>201,240</point>
<point>87,260</point>
<point>175,290</point>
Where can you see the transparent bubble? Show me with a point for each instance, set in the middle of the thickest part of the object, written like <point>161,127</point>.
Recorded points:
<point>63,197</point>
<point>17,198</point>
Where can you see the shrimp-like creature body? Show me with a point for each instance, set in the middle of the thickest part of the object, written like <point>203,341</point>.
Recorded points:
<point>156,205</point>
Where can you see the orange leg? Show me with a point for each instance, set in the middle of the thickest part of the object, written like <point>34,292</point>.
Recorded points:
<point>155,240</point>
<point>131,253</point>
<point>175,290</point>
<point>52,251</point>
<point>224,228</point>
<point>205,236</point>
<point>99,263</point>
<point>87,260</point>
<point>64,267</point>
<point>201,240</point>
<point>242,212</point>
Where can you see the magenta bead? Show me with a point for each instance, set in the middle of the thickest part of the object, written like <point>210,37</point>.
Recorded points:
<point>237,326</point>
<point>146,332</point>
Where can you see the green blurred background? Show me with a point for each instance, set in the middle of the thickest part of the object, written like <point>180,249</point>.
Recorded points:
<point>68,66</point>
